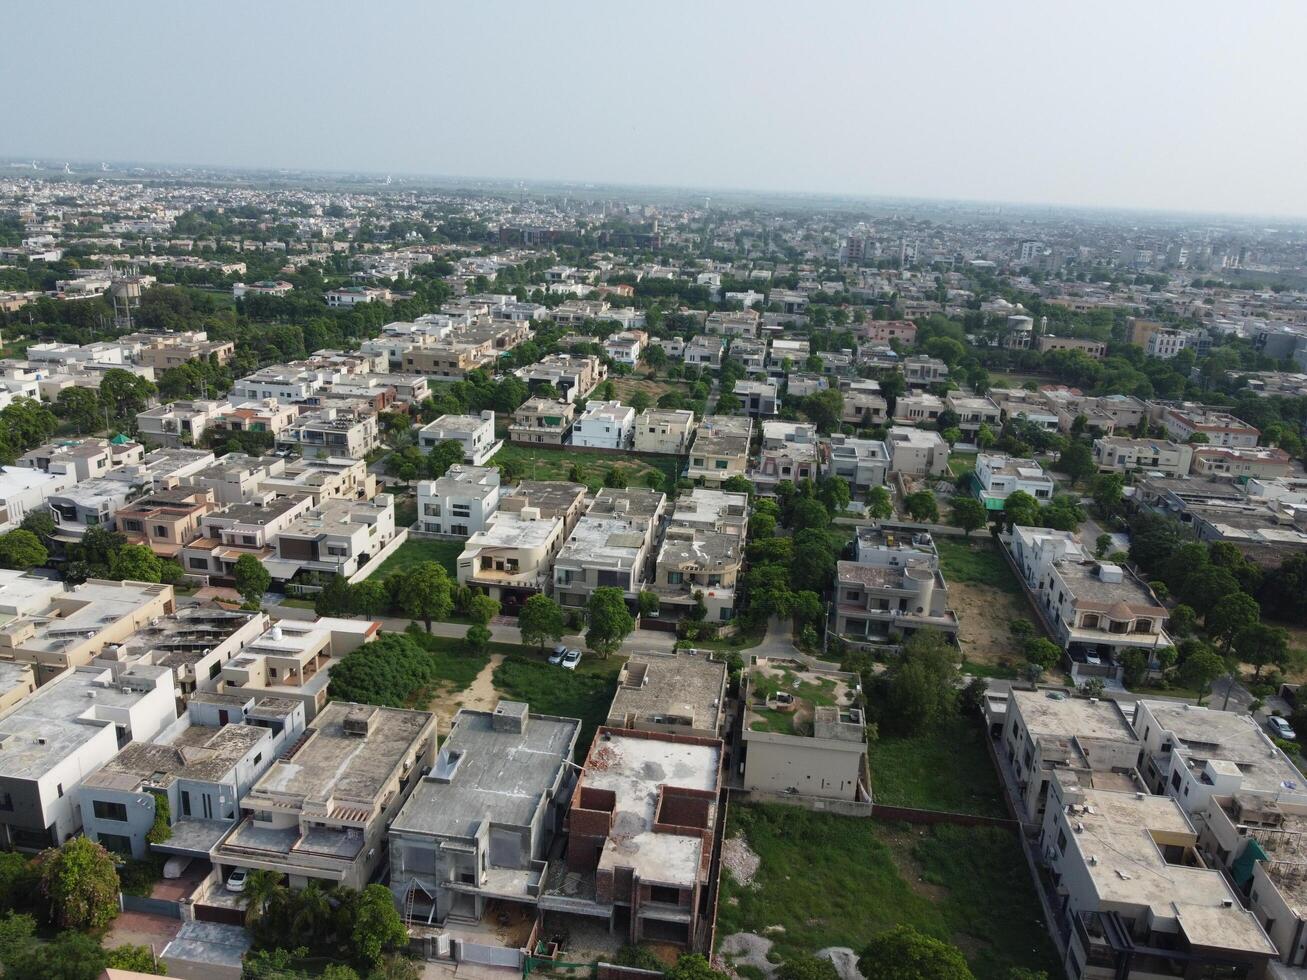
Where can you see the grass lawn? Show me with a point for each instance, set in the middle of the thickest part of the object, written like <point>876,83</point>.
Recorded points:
<point>960,463</point>
<point>553,464</point>
<point>983,669</point>
<point>743,640</point>
<point>584,693</point>
<point>837,881</point>
<point>943,769</point>
<point>976,561</point>
<point>415,551</point>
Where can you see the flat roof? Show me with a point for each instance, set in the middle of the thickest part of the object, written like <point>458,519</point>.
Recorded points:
<point>201,752</point>
<point>686,685</point>
<point>1067,716</point>
<point>489,772</point>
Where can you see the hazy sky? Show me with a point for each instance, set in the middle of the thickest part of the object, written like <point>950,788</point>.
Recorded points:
<point>1155,104</point>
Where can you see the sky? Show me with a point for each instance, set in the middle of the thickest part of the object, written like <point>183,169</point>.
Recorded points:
<point>1159,105</point>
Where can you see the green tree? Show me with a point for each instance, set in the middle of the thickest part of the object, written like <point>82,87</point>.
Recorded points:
<point>18,881</point>
<point>1077,462</point>
<point>369,598</point>
<point>17,932</point>
<point>693,966</point>
<point>902,953</point>
<point>41,523</point>
<point>1232,613</point>
<point>442,457</point>
<point>1134,664</point>
<point>137,959</point>
<point>802,967</point>
<point>615,479</point>
<point>125,394</point>
<point>968,513</point>
<point>477,639</point>
<point>1261,644</point>
<point>649,603</point>
<point>425,593</point>
<point>952,435</point>
<point>252,579</point>
<point>825,409</point>
<point>378,928</point>
<point>880,505</point>
<point>920,687</point>
<point>610,621</point>
<point>1043,652</point>
<point>1183,620</point>
<point>809,512</point>
<point>1102,544</point>
<point>22,549</point>
<point>1020,509</point>
<point>1108,490</point>
<point>79,884</point>
<point>136,563</point>
<point>481,609</point>
<point>69,956</point>
<point>540,620</point>
<point>263,892</point>
<point>81,407</point>
<point>921,506</point>
<point>1199,669</point>
<point>985,437</point>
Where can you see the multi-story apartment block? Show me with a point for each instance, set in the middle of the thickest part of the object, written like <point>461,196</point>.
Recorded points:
<point>1220,428</point>
<point>921,371</point>
<point>893,589</point>
<point>665,431</point>
<point>62,732</point>
<point>610,547</point>
<point>998,476</point>
<point>542,421</point>
<point>201,766</point>
<point>478,828</point>
<point>640,837</point>
<point>573,376</point>
<point>475,433</point>
<point>460,503</point>
<point>861,463</point>
<point>332,432</point>
<point>803,733</point>
<point>1165,344</point>
<point>179,423</point>
<point>337,537</point>
<point>321,811</point>
<point>1092,609</point>
<point>512,558</point>
<point>720,450</point>
<point>1120,454</point>
<point>790,452</point>
<point>605,425</point>
<point>1242,463</point>
<point>704,351</point>
<point>917,453</point>
<point>166,520</point>
<point>758,398</point>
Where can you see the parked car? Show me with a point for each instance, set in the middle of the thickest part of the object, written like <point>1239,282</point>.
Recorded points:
<point>1280,728</point>
<point>571,659</point>
<point>236,880</point>
<point>557,656</point>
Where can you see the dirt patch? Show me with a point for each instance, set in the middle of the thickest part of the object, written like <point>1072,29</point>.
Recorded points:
<point>480,695</point>
<point>740,860</point>
<point>747,949</point>
<point>983,616</point>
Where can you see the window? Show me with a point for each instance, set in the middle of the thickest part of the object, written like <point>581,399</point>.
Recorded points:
<point>721,464</point>
<point>1061,841</point>
<point>215,669</point>
<point>186,803</point>
<point>105,810</point>
<point>117,843</point>
<point>1175,779</point>
<point>199,563</point>
<point>6,802</point>
<point>131,525</point>
<point>160,531</point>
<point>60,790</point>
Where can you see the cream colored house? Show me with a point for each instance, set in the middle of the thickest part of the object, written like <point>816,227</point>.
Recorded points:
<point>665,431</point>
<point>721,449</point>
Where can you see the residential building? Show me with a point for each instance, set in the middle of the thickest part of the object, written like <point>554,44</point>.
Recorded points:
<point>91,503</point>
<point>460,503</point>
<point>610,547</point>
<point>62,732</point>
<point>998,476</point>
<point>973,411</point>
<point>861,463</point>
<point>625,347</point>
<point>475,433</point>
<point>55,626</point>
<point>604,425</point>
<point>640,837</point>
<point>257,415</point>
<point>1166,343</point>
<point>1048,732</point>
<point>201,766</point>
<point>179,423</point>
<point>286,386</point>
<point>17,681</point>
<point>240,529</point>
<point>721,449</point>
<point>542,421</point>
<point>884,331</point>
<point>665,431</point>
<point>1096,349</point>
<point>790,452</point>
<point>337,537</point>
<point>1194,754</point>
<point>1220,428</point>
<point>705,351</point>
<point>512,558</point>
<point>681,693</point>
<point>1242,463</point>
<point>193,642</point>
<point>751,353</point>
<point>728,324</point>
<point>864,405</point>
<point>321,811</point>
<point>292,659</point>
<point>893,589</point>
<point>477,828</point>
<point>235,478</point>
<point>1134,897</point>
<point>918,408</point>
<point>917,453</point>
<point>701,555</point>
<point>323,478</point>
<point>84,459</point>
<point>24,490</point>
<point>354,295</point>
<point>758,398</point>
<point>786,355</point>
<point>1093,610</point>
<point>264,287</point>
<point>332,432</point>
<point>1120,454</point>
<point>573,376</point>
<point>803,733</point>
<point>921,371</point>
<point>165,520</point>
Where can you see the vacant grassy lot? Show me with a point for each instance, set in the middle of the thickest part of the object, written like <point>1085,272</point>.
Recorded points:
<point>975,561</point>
<point>556,464</point>
<point>584,693</point>
<point>414,552</point>
<point>960,463</point>
<point>837,881</point>
<point>944,769</point>
<point>624,388</point>
<point>986,597</point>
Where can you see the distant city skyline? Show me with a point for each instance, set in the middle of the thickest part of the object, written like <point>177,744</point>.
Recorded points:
<point>1171,107</point>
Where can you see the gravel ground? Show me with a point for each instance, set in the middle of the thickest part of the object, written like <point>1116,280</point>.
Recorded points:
<point>845,960</point>
<point>747,949</point>
<point>740,860</point>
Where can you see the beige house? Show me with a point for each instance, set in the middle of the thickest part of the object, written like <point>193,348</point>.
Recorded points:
<point>332,432</point>
<point>701,555</point>
<point>663,431</point>
<point>166,520</point>
<point>610,547</point>
<point>322,810</point>
<point>682,693</point>
<point>543,421</point>
<point>720,450</point>
<point>1248,462</point>
<point>804,733</point>
<point>917,453</point>
<point>17,681</point>
<point>1118,454</point>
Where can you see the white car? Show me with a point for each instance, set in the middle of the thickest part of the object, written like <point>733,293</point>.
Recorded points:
<point>571,659</point>
<point>1281,728</point>
<point>236,881</point>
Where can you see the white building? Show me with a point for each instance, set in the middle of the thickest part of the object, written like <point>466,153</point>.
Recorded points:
<point>604,425</point>
<point>999,476</point>
<point>475,433</point>
<point>460,502</point>
<point>23,490</point>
